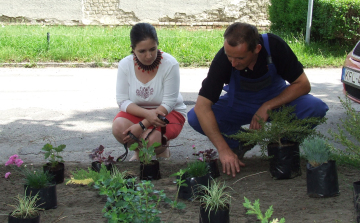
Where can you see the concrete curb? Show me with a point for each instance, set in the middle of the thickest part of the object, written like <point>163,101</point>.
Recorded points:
<point>54,64</point>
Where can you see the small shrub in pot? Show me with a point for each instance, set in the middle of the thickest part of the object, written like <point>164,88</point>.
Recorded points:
<point>321,172</point>
<point>281,137</point>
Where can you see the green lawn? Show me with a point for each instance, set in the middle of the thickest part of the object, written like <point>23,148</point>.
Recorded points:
<point>191,47</point>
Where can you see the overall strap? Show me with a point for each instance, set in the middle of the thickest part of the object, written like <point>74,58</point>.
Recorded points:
<point>267,47</point>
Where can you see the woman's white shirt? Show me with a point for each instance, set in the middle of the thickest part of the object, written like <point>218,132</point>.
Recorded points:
<point>163,89</point>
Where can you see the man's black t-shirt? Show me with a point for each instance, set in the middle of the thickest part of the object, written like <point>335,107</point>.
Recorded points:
<point>286,63</point>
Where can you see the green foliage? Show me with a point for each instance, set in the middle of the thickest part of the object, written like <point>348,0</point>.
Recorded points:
<point>81,174</point>
<point>215,197</point>
<point>106,45</point>
<point>130,202</point>
<point>255,210</point>
<point>332,19</point>
<point>37,179</point>
<point>284,125</point>
<point>197,169</point>
<point>52,153</point>
<point>180,182</point>
<point>26,206</point>
<point>101,44</point>
<point>316,151</point>
<point>336,20</point>
<point>288,15</point>
<point>145,152</point>
<point>348,133</point>
<point>135,205</point>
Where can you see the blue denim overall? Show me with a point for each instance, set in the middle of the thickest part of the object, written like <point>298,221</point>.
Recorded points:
<point>245,96</point>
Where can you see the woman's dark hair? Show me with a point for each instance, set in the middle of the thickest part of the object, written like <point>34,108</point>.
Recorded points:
<point>238,33</point>
<point>142,31</point>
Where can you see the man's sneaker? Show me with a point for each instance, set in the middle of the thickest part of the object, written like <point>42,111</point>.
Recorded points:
<point>241,150</point>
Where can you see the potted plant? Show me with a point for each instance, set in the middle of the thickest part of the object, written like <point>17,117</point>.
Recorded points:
<point>36,182</point>
<point>99,158</point>
<point>281,138</point>
<point>196,173</point>
<point>215,203</point>
<point>209,156</point>
<point>26,210</point>
<point>55,165</point>
<point>321,172</point>
<point>149,168</point>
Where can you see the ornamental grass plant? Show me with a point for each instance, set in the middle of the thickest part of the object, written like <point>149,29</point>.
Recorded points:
<point>215,197</point>
<point>25,207</point>
<point>37,179</point>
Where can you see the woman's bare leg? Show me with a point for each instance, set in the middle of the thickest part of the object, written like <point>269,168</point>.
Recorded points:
<point>119,126</point>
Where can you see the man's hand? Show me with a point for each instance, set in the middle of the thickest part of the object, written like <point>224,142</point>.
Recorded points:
<point>230,162</point>
<point>301,86</point>
<point>261,113</point>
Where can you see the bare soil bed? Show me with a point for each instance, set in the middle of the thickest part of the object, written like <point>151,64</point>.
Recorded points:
<point>82,204</point>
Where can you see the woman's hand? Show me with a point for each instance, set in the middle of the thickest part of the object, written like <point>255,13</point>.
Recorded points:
<point>136,130</point>
<point>152,117</point>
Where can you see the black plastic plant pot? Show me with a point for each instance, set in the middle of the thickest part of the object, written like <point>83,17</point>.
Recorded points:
<point>284,160</point>
<point>221,215</point>
<point>322,181</point>
<point>57,172</point>
<point>213,168</point>
<point>356,190</point>
<point>130,185</point>
<point>47,196</point>
<point>193,190</point>
<point>13,219</point>
<point>150,171</point>
<point>96,166</point>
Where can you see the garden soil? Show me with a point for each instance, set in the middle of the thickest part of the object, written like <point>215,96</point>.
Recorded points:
<point>82,204</point>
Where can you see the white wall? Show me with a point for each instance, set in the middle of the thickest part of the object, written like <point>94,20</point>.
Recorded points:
<point>127,12</point>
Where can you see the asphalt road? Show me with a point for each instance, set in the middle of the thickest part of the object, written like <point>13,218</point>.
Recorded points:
<point>76,106</point>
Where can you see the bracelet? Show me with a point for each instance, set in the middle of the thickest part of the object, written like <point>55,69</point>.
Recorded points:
<point>142,126</point>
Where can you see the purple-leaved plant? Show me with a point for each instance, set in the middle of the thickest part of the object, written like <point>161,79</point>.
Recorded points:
<point>206,155</point>
<point>99,155</point>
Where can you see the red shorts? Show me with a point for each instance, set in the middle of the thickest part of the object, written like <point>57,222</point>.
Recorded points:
<point>173,129</point>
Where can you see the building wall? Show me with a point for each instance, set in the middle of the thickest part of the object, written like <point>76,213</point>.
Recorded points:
<point>128,12</point>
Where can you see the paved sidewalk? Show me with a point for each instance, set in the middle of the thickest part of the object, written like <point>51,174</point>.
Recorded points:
<point>76,106</point>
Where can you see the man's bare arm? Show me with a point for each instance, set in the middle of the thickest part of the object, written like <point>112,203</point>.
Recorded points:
<point>229,160</point>
<point>299,87</point>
